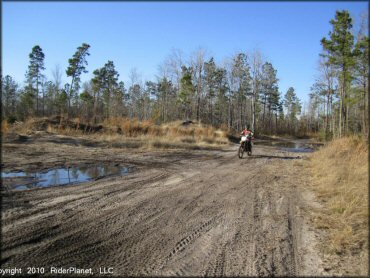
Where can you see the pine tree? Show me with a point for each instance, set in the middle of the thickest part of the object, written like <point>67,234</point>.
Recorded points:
<point>187,91</point>
<point>105,84</point>
<point>210,76</point>
<point>221,106</point>
<point>77,66</point>
<point>293,107</point>
<point>87,100</point>
<point>34,74</point>
<point>269,91</point>
<point>110,85</point>
<point>339,50</point>
<point>361,75</point>
<point>9,97</point>
<point>119,95</point>
<point>242,83</point>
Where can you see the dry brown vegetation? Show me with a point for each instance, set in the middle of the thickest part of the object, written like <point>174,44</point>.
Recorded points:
<point>340,179</point>
<point>4,127</point>
<point>169,135</point>
<point>132,132</point>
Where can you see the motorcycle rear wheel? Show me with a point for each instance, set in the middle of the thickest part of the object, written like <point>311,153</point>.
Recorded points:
<point>249,151</point>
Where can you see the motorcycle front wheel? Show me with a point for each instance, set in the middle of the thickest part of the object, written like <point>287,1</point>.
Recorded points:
<point>241,151</point>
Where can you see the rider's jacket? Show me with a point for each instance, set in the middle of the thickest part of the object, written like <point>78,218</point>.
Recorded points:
<point>247,132</point>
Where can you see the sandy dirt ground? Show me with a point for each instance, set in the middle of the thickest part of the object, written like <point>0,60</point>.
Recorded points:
<point>201,212</point>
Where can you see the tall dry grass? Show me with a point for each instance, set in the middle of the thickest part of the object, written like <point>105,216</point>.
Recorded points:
<point>340,179</point>
<point>163,135</point>
<point>132,132</point>
<point>130,127</point>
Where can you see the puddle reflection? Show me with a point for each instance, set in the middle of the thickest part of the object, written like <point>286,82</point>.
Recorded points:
<point>291,146</point>
<point>62,176</point>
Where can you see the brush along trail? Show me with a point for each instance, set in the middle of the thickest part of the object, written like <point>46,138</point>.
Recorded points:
<point>191,212</point>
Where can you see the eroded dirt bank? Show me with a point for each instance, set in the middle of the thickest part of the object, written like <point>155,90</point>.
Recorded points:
<point>198,212</point>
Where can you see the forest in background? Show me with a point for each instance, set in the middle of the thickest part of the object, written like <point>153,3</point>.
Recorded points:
<point>242,90</point>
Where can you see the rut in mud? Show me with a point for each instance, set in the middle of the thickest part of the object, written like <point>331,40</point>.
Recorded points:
<point>204,213</point>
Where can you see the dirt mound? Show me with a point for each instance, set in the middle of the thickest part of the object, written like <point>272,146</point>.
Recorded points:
<point>176,132</point>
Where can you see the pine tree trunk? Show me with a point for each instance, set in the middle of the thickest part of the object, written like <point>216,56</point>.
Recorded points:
<point>344,106</point>
<point>69,97</point>
<point>37,95</point>
<point>254,113</point>
<point>270,121</point>
<point>43,102</point>
<point>332,128</point>
<point>347,119</point>
<point>276,122</point>
<point>340,112</point>
<point>263,117</point>
<point>327,117</point>
<point>240,113</point>
<point>199,90</point>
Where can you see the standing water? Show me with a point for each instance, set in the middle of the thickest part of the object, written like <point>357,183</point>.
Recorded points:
<point>300,146</point>
<point>61,176</point>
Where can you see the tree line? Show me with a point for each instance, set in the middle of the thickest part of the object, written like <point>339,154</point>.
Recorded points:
<point>241,91</point>
<point>339,97</point>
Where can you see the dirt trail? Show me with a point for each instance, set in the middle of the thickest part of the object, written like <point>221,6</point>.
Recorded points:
<point>203,213</point>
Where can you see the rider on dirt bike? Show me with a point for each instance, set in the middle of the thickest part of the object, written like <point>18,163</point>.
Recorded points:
<point>246,142</point>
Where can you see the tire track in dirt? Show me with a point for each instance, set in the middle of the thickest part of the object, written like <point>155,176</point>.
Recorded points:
<point>183,243</point>
<point>217,268</point>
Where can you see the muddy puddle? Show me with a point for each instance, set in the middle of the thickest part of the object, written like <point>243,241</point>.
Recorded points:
<point>291,146</point>
<point>61,176</point>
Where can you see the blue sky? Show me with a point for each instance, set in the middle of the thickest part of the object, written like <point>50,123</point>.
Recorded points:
<point>141,35</point>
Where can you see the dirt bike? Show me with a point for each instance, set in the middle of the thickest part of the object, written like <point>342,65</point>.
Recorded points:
<point>245,146</point>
